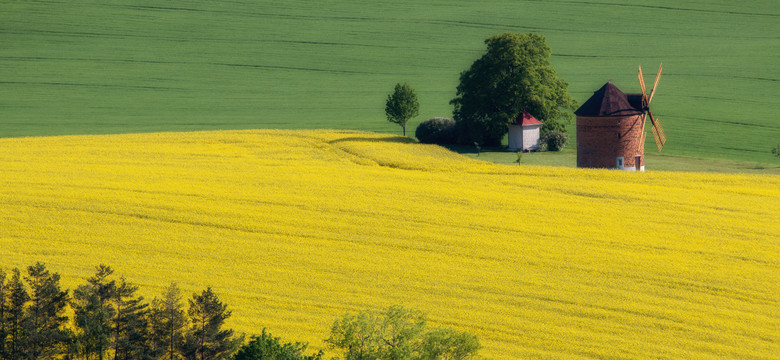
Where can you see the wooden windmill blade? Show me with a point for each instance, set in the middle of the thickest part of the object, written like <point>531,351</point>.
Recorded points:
<point>642,84</point>
<point>644,134</point>
<point>657,77</point>
<point>658,132</point>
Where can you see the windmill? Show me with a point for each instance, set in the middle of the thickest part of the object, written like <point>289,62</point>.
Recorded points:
<point>658,131</point>
<point>611,127</point>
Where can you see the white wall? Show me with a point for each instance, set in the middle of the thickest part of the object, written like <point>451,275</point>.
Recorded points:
<point>515,138</point>
<point>523,138</point>
<point>531,137</point>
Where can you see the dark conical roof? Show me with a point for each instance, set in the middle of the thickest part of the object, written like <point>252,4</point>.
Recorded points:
<point>609,101</point>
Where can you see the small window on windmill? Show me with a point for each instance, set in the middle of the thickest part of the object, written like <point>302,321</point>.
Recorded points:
<point>620,162</point>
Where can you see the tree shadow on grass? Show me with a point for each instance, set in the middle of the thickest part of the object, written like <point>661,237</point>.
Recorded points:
<point>460,149</point>
<point>471,149</point>
<point>387,139</point>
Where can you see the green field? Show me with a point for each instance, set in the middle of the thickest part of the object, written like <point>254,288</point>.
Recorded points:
<point>88,67</point>
<point>658,162</point>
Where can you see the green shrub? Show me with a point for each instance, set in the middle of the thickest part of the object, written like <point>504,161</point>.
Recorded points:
<point>436,131</point>
<point>555,140</point>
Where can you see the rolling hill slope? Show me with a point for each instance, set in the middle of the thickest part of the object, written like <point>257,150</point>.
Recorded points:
<point>294,228</point>
<point>94,67</point>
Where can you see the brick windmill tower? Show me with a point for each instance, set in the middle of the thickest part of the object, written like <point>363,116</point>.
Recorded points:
<point>610,128</point>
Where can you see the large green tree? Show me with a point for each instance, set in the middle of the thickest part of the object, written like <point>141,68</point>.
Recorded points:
<point>402,105</point>
<point>515,74</point>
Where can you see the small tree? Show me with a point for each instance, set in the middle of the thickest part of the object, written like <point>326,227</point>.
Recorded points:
<point>398,333</point>
<point>267,347</point>
<point>555,140</point>
<point>519,157</point>
<point>448,344</point>
<point>776,150</point>
<point>402,105</point>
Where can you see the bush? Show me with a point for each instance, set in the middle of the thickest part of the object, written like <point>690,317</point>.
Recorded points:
<point>436,131</point>
<point>555,140</point>
<point>267,347</point>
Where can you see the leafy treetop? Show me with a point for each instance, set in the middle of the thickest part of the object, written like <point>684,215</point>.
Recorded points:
<point>402,105</point>
<point>515,74</point>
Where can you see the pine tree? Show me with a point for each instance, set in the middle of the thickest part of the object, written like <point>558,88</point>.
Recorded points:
<point>167,323</point>
<point>3,313</point>
<point>94,313</point>
<point>206,339</point>
<point>44,323</point>
<point>17,300</point>
<point>131,334</point>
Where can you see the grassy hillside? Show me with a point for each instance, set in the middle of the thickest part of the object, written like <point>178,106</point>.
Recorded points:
<point>294,228</point>
<point>85,67</point>
<point>653,160</point>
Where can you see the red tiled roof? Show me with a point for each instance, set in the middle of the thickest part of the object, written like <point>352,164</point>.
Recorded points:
<point>526,119</point>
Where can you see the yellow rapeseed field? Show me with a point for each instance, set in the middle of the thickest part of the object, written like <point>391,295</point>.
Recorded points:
<point>295,228</point>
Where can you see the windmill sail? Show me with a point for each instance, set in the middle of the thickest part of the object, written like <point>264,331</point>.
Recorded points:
<point>658,131</point>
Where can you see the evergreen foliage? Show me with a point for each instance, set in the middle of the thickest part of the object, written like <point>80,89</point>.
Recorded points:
<point>44,321</point>
<point>168,322</point>
<point>3,312</point>
<point>131,327</point>
<point>515,74</point>
<point>93,313</point>
<point>109,321</point>
<point>207,339</point>
<point>14,318</point>
<point>402,105</point>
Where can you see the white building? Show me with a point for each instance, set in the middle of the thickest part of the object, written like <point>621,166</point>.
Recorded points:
<point>524,133</point>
